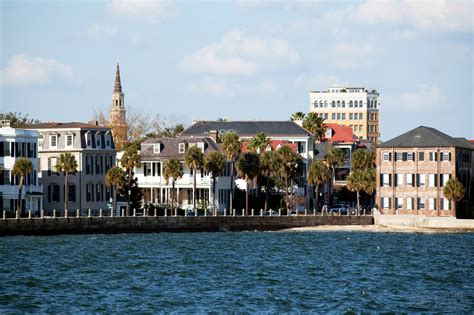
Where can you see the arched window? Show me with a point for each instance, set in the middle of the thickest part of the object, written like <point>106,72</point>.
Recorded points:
<point>351,104</point>
<point>360,103</point>
<point>333,104</point>
<point>315,103</point>
<point>343,104</point>
<point>321,104</point>
<point>338,103</point>
<point>325,103</point>
<point>120,103</point>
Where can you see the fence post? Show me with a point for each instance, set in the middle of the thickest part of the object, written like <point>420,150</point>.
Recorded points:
<point>205,212</point>
<point>154,213</point>
<point>225,212</point>
<point>134,212</point>
<point>145,212</point>
<point>314,212</point>
<point>54,213</point>
<point>243,212</point>
<point>65,213</point>
<point>252,212</point>
<point>233,214</point>
<point>261,212</point>
<point>78,213</point>
<point>279,213</point>
<point>112,213</point>
<point>5,214</point>
<point>305,212</point>
<point>100,212</point>
<point>29,214</point>
<point>89,212</point>
<point>41,213</point>
<point>166,212</point>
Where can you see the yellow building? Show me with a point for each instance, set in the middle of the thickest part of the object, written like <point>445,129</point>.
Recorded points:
<point>349,106</point>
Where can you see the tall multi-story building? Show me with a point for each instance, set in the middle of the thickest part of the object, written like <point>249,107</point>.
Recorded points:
<point>117,118</point>
<point>356,107</point>
<point>16,143</point>
<point>94,150</point>
<point>413,168</point>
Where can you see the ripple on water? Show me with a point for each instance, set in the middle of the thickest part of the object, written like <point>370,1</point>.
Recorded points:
<point>228,272</point>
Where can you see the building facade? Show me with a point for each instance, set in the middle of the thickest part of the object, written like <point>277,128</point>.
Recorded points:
<point>94,150</point>
<point>413,168</point>
<point>355,107</point>
<point>16,143</point>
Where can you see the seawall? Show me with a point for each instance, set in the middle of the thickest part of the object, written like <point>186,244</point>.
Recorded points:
<point>418,221</point>
<point>89,225</point>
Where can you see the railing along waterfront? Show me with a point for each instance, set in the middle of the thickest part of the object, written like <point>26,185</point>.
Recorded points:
<point>168,212</point>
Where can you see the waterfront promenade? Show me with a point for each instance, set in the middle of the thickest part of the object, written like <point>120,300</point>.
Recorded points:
<point>80,224</point>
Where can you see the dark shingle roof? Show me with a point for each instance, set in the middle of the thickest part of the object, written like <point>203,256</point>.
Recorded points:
<point>169,147</point>
<point>425,137</point>
<point>60,125</point>
<point>321,150</point>
<point>247,128</point>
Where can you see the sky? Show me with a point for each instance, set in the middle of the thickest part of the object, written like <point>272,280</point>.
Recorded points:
<point>239,59</point>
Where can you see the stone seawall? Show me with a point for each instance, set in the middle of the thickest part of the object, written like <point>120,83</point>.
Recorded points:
<point>88,225</point>
<point>419,221</point>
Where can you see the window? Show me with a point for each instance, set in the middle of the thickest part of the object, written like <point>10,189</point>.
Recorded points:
<point>446,204</point>
<point>351,117</point>
<point>53,140</point>
<point>71,193</point>
<point>356,116</point>
<point>88,192</point>
<point>445,156</point>
<point>343,104</point>
<point>182,148</point>
<point>333,104</point>
<point>399,156</point>
<point>386,180</point>
<point>360,103</point>
<point>343,116</point>
<point>410,156</point>
<point>315,104</point>
<point>360,116</point>
<point>445,178</point>
<point>53,193</point>
<point>69,140</point>
<point>356,128</point>
<point>421,203</point>
<point>351,104</point>
<point>326,116</point>
<point>410,180</point>
<point>338,116</point>
<point>387,156</point>
<point>321,104</point>
<point>409,203</point>
<point>338,103</point>
<point>432,180</point>
<point>433,156</point>
<point>421,180</point>
<point>432,203</point>
<point>52,166</point>
<point>421,156</point>
<point>156,148</point>
<point>399,202</point>
<point>399,180</point>
<point>325,104</point>
<point>386,202</point>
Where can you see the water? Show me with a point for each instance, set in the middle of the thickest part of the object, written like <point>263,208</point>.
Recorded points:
<point>248,271</point>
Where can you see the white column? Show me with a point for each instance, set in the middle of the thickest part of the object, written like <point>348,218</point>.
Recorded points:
<point>177,197</point>
<point>161,194</point>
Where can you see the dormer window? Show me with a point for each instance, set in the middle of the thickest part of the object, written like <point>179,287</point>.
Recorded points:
<point>157,148</point>
<point>53,141</point>
<point>98,138</point>
<point>328,134</point>
<point>69,140</point>
<point>200,145</point>
<point>182,148</point>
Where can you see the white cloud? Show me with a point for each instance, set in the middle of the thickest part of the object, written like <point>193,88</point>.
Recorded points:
<point>316,82</point>
<point>426,99</point>
<point>23,70</point>
<point>294,5</point>
<point>346,55</point>
<point>438,15</point>
<point>216,87</point>
<point>101,31</point>
<point>240,54</point>
<point>150,11</point>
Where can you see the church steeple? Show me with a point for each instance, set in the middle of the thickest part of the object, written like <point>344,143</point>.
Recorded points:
<point>118,84</point>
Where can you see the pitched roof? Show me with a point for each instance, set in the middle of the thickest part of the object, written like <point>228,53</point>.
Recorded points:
<point>340,133</point>
<point>321,150</point>
<point>274,145</point>
<point>247,128</point>
<point>69,125</point>
<point>425,137</point>
<point>169,147</point>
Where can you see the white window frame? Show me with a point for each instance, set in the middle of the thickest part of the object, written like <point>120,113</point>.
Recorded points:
<point>431,203</point>
<point>422,201</point>
<point>431,180</point>
<point>385,201</point>
<point>399,204</point>
<point>409,180</point>
<point>386,180</point>
<point>446,204</point>
<point>156,148</point>
<point>409,204</point>
<point>182,147</point>
<point>69,136</point>
<point>399,180</point>
<point>55,137</point>
<point>422,182</point>
<point>445,179</point>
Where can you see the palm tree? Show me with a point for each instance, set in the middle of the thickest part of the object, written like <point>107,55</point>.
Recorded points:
<point>21,168</point>
<point>363,159</point>
<point>248,166</point>
<point>172,169</point>
<point>232,148</point>
<point>318,174</point>
<point>258,144</point>
<point>289,162</point>
<point>314,124</point>
<point>115,177</point>
<point>453,190</point>
<point>214,163</point>
<point>363,174</point>
<point>356,182</point>
<point>334,158</point>
<point>194,159</point>
<point>297,116</point>
<point>130,159</point>
<point>270,165</point>
<point>68,165</point>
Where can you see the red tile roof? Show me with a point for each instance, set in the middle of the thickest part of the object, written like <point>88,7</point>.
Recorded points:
<point>340,133</point>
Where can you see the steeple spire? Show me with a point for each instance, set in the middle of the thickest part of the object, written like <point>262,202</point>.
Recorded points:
<point>118,84</point>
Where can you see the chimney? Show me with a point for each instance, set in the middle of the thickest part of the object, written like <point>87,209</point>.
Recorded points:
<point>94,122</point>
<point>213,134</point>
<point>5,123</point>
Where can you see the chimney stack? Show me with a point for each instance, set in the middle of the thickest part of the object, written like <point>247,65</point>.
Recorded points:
<point>213,134</point>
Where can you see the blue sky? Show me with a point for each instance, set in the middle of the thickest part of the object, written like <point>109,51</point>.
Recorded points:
<point>239,59</point>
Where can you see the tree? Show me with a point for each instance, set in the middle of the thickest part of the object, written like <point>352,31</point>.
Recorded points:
<point>130,159</point>
<point>21,168</point>
<point>314,124</point>
<point>297,116</point>
<point>363,174</point>
<point>258,144</point>
<point>453,190</point>
<point>18,120</point>
<point>214,163</point>
<point>334,158</point>
<point>318,175</point>
<point>248,166</point>
<point>68,165</point>
<point>232,148</point>
<point>270,165</point>
<point>194,159</point>
<point>115,177</point>
<point>289,162</point>
<point>172,169</point>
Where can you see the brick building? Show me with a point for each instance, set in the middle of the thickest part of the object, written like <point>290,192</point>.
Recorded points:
<point>413,168</point>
